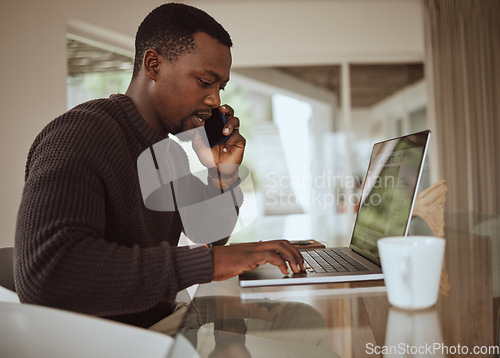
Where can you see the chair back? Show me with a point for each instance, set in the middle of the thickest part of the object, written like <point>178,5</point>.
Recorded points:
<point>34,331</point>
<point>7,292</point>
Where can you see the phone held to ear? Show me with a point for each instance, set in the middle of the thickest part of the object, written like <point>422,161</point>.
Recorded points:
<point>214,126</point>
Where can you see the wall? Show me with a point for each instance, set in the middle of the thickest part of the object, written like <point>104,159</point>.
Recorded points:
<point>33,71</point>
<point>318,32</point>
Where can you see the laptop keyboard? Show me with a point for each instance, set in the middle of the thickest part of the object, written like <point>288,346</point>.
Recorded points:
<point>331,260</point>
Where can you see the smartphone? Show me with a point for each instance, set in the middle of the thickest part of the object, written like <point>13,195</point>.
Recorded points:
<point>214,126</point>
<point>307,244</point>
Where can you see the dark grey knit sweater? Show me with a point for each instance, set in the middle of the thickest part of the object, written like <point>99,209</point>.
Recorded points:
<point>85,241</point>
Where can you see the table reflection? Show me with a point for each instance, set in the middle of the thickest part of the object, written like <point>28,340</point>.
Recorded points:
<point>413,334</point>
<point>222,326</point>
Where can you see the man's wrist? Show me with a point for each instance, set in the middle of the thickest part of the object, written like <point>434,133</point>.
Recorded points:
<point>209,246</point>
<point>192,265</point>
<point>223,181</point>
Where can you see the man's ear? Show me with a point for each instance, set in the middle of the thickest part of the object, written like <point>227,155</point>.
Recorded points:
<point>151,63</point>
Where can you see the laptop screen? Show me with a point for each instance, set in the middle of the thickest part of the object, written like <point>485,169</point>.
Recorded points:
<point>389,192</point>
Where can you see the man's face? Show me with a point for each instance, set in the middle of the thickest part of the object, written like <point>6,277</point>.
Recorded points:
<point>185,90</point>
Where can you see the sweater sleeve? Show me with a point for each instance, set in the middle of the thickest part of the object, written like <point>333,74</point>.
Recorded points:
<point>68,254</point>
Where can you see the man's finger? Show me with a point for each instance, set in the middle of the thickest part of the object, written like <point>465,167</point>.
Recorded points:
<point>274,258</point>
<point>227,110</point>
<point>232,125</point>
<point>287,252</point>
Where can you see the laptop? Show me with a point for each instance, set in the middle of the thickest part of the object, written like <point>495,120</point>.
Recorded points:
<point>385,209</point>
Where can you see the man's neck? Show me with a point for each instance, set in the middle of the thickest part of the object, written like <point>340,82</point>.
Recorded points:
<point>138,92</point>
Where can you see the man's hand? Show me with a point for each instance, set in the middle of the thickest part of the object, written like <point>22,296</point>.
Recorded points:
<point>228,155</point>
<point>233,260</point>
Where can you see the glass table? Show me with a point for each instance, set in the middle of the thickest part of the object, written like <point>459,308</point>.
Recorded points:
<point>355,319</point>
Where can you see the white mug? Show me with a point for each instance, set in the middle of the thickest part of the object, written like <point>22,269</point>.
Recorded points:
<point>412,269</point>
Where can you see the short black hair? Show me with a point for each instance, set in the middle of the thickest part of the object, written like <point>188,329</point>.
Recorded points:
<point>170,28</point>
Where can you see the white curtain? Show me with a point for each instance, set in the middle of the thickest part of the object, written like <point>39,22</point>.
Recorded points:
<point>462,42</point>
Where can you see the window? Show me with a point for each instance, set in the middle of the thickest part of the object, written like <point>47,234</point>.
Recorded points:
<point>95,72</point>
